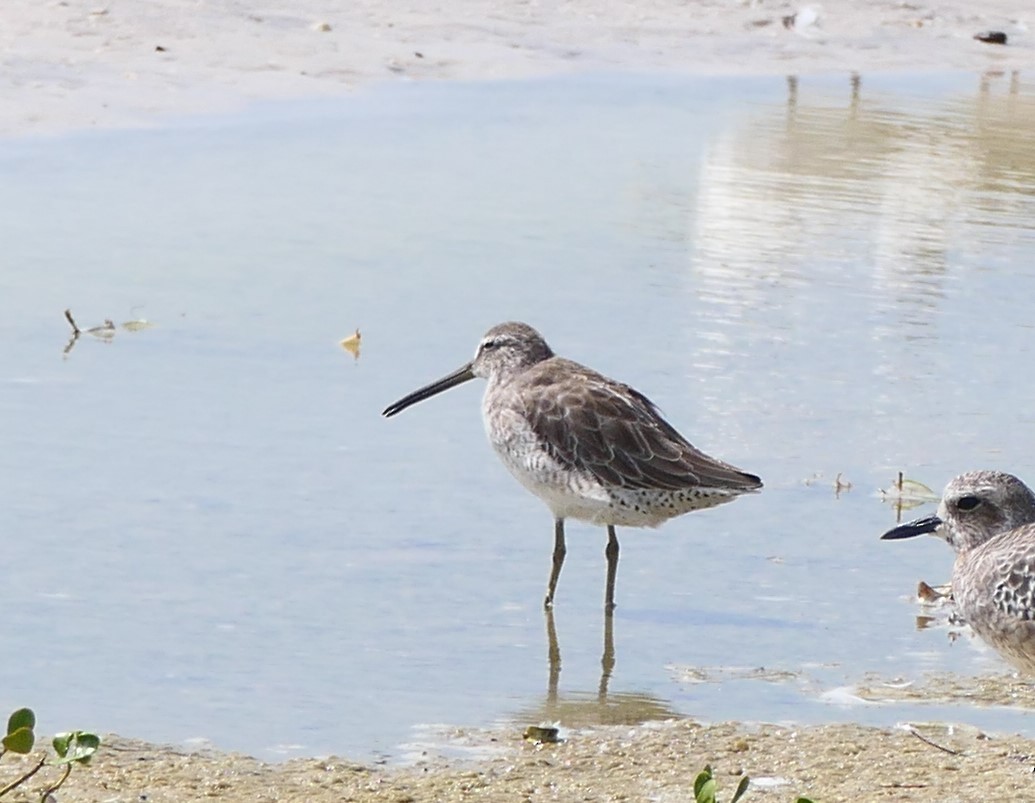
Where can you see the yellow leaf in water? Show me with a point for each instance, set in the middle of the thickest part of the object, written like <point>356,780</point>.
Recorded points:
<point>351,343</point>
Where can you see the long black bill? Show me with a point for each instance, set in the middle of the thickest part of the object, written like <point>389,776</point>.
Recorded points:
<point>458,377</point>
<point>924,526</point>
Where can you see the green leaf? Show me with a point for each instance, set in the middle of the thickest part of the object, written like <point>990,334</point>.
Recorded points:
<point>742,787</point>
<point>60,743</point>
<point>22,718</point>
<point>706,794</point>
<point>76,747</point>
<point>19,740</point>
<point>702,778</point>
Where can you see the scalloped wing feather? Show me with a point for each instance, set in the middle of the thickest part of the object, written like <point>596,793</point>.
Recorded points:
<point>614,433</point>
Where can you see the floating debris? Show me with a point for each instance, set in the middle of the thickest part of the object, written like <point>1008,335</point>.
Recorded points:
<point>106,331</point>
<point>991,37</point>
<point>137,324</point>
<point>933,594</point>
<point>906,494</point>
<point>352,343</point>
<point>840,484</point>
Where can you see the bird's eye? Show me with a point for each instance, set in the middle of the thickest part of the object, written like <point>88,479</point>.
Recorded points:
<point>489,345</point>
<point>968,502</point>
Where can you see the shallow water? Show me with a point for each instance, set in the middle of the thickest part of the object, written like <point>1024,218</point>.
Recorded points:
<point>212,534</point>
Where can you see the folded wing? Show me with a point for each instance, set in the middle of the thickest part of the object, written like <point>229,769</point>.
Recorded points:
<point>617,435</point>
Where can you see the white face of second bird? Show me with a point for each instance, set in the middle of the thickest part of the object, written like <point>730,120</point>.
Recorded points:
<point>974,512</point>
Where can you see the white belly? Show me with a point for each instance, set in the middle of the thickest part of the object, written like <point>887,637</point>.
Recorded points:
<point>566,493</point>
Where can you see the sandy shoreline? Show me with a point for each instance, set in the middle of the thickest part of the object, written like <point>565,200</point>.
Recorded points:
<point>115,63</point>
<point>927,762</point>
<point>657,763</point>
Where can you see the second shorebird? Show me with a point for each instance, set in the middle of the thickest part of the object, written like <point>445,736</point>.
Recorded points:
<point>988,517</point>
<point>590,447</point>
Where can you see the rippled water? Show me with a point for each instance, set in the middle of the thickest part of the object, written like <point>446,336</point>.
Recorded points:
<point>211,533</point>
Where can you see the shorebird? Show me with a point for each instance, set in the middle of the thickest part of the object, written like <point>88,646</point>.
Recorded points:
<point>988,517</point>
<point>589,447</point>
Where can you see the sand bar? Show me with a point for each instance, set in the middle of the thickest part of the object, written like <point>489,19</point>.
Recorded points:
<point>75,64</point>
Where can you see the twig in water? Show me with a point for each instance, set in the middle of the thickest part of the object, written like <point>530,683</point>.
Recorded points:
<point>71,322</point>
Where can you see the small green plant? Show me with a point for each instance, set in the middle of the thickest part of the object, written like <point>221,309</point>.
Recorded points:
<point>705,787</point>
<point>76,747</point>
<point>20,736</point>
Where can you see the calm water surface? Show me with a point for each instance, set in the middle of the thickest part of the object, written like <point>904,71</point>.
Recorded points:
<point>210,533</point>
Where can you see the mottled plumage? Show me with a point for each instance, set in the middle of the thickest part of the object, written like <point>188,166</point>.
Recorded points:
<point>988,517</point>
<point>590,447</point>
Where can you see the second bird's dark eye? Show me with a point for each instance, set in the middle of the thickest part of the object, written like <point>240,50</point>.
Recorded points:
<point>968,502</point>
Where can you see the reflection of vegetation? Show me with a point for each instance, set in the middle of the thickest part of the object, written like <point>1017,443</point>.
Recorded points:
<point>915,182</point>
<point>859,134</point>
<point>76,747</point>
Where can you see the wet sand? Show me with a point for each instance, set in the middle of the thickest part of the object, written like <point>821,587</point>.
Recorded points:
<point>919,761</point>
<point>658,762</point>
<point>115,63</point>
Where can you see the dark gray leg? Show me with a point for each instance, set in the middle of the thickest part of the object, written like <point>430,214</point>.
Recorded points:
<point>607,660</point>
<point>612,568</point>
<point>559,551</point>
<point>554,653</point>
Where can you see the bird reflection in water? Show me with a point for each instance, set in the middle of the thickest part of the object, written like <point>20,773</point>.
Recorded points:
<point>583,709</point>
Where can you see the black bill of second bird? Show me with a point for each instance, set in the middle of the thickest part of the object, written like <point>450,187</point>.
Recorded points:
<point>988,518</point>
<point>590,447</point>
